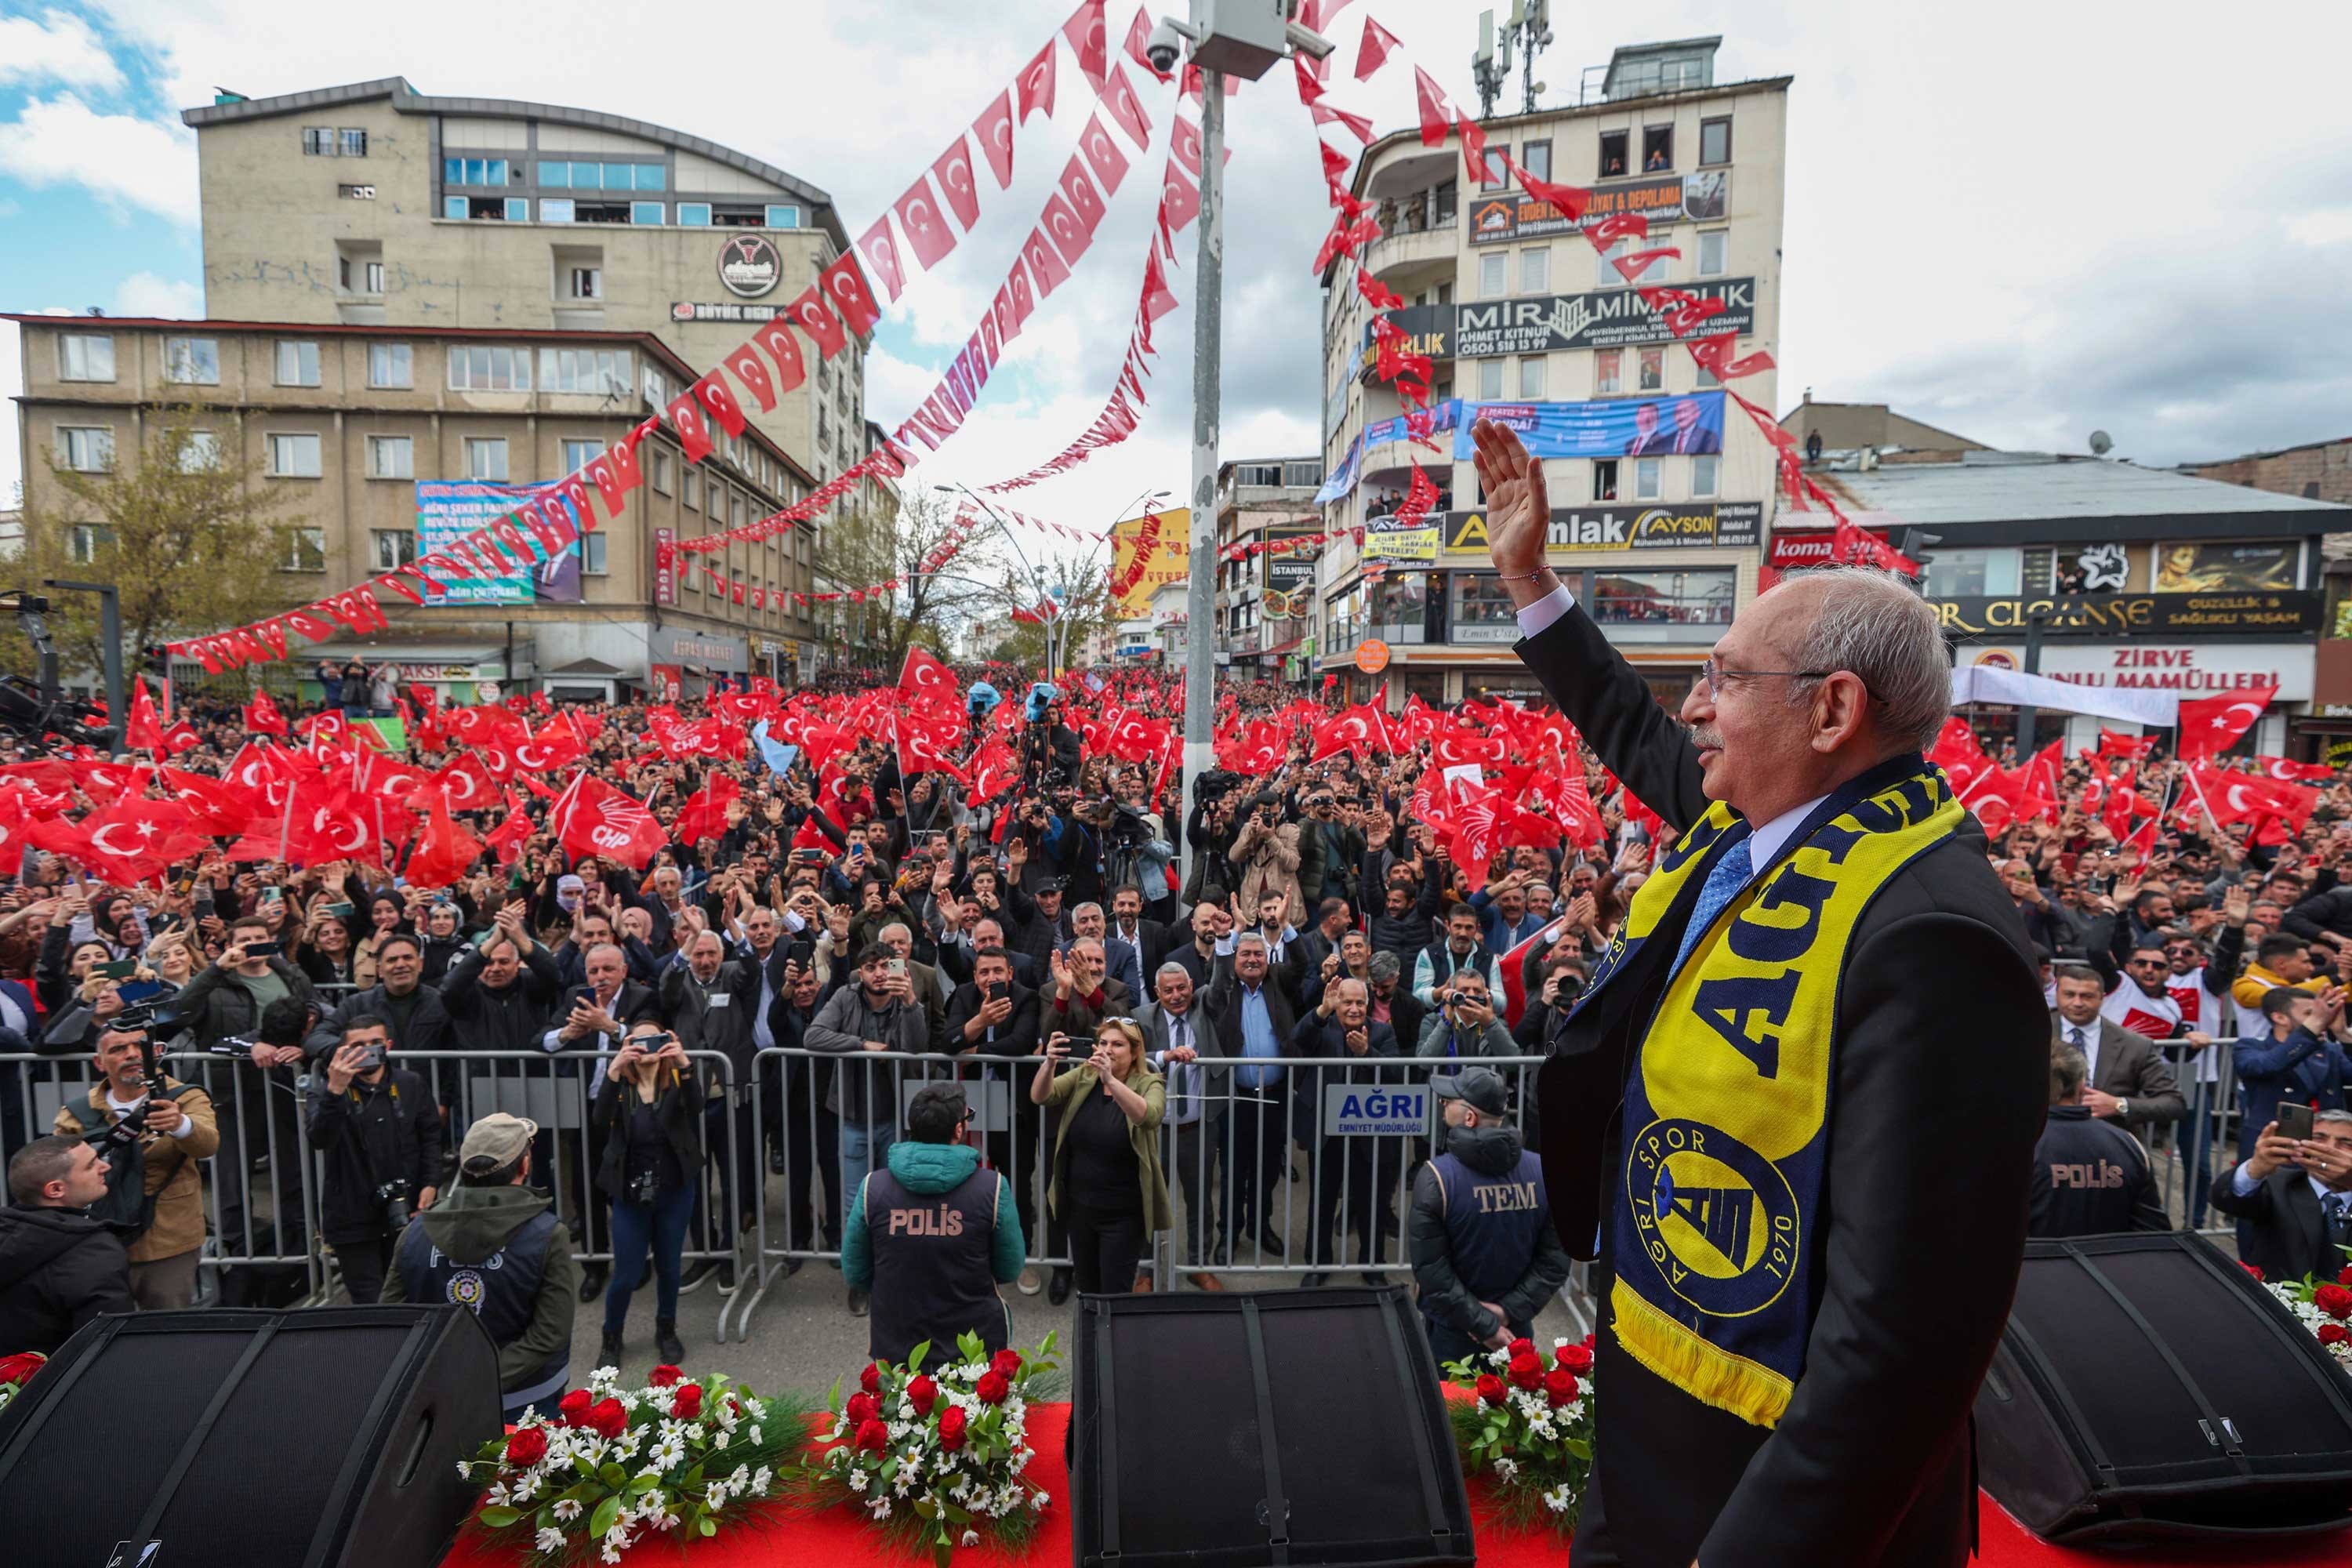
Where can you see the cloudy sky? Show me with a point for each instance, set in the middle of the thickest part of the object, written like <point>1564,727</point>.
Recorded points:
<point>2020,221</point>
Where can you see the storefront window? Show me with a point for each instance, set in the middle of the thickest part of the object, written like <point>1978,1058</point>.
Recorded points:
<point>1700,597</point>
<point>1400,607</point>
<point>1972,573</point>
<point>1482,609</point>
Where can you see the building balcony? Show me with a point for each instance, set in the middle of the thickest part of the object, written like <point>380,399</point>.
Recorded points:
<point>1410,259</point>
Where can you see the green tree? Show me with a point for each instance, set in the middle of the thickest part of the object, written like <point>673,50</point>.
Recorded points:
<point>942,567</point>
<point>188,529</point>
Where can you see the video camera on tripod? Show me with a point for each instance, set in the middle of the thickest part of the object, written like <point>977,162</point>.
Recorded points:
<point>31,708</point>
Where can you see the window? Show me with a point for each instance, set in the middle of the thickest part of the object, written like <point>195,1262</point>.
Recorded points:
<point>353,143</point>
<point>317,141</point>
<point>1449,195</point>
<point>553,211</point>
<point>1607,273</point>
<point>1707,476</point>
<point>1967,574</point>
<point>1535,271</point>
<point>783,216</point>
<point>86,449</point>
<point>1657,149</point>
<point>657,468</point>
<point>1604,478</point>
<point>306,550</point>
<point>1608,371</point>
<point>1301,474</point>
<point>389,364</point>
<point>650,177</point>
<point>599,371</point>
<point>191,362</point>
<point>85,540</point>
<point>1498,166</point>
<point>474,172</point>
<point>1482,609</point>
<point>717,502</point>
<point>1712,246</point>
<point>1646,479</point>
<point>294,456</point>
<point>298,365</point>
<point>516,209</point>
<point>486,369</point>
<point>1258,474</point>
<point>1713,142</point>
<point>694,215</point>
<point>591,554</point>
<point>1490,380</point>
<point>692,494</point>
<point>454,207</point>
<point>1701,597</point>
<point>392,548</point>
<point>648,213</point>
<point>583,283</point>
<point>578,455</point>
<point>1494,275</point>
<point>356,275</point>
<point>1653,371</point>
<point>85,356</point>
<point>1612,154</point>
<point>486,457</point>
<point>1535,158</point>
<point>392,458</point>
<point>1531,378</point>
<point>200,452</point>
<point>556,174</point>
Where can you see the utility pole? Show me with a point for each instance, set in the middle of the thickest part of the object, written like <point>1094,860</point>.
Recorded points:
<point>110,639</point>
<point>2035,620</point>
<point>1208,330</point>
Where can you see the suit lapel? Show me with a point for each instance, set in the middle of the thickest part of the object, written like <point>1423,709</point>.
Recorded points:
<point>2306,1205</point>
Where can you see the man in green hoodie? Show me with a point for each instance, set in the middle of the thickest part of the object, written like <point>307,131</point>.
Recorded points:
<point>933,1235</point>
<point>493,1243</point>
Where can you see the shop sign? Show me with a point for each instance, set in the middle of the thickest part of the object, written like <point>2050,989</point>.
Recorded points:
<point>1577,527</point>
<point>2132,615</point>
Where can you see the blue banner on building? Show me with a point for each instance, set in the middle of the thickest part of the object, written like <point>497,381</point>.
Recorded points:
<point>1690,423</point>
<point>448,509</point>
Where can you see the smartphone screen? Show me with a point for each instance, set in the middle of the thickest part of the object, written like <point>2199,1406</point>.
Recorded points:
<point>262,949</point>
<point>343,911</point>
<point>122,969</point>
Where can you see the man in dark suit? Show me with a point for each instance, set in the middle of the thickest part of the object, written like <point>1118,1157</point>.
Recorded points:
<point>2130,1081</point>
<point>2090,1176</point>
<point>1152,940</point>
<point>1254,1019</point>
<point>2293,1199</point>
<point>592,1016</point>
<point>1356,1174</point>
<point>1821,693</point>
<point>993,1018</point>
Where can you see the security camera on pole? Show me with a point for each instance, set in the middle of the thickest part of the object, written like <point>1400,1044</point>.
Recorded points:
<point>1224,37</point>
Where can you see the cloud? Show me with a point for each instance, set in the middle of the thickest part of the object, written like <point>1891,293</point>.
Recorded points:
<point>145,294</point>
<point>119,157</point>
<point>57,47</point>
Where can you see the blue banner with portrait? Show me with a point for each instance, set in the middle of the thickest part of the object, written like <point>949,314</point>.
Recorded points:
<point>1689,423</point>
<point>1443,416</point>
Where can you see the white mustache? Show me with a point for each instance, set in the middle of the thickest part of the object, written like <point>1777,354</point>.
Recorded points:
<point>1708,737</point>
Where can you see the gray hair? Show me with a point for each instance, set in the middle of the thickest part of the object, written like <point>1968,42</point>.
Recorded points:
<point>1383,964</point>
<point>1874,625</point>
<point>2336,1117</point>
<point>1082,908</point>
<point>1169,968</point>
<point>1251,936</point>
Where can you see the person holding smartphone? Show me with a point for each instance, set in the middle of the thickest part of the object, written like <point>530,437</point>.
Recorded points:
<point>378,1134</point>
<point>1106,1189</point>
<point>650,1112</point>
<point>2292,1197</point>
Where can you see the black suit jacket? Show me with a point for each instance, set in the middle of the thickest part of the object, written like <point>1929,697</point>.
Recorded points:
<point>2285,1235</point>
<point>1870,1464</point>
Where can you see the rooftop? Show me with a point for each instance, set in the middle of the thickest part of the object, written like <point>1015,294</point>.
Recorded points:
<point>2005,487</point>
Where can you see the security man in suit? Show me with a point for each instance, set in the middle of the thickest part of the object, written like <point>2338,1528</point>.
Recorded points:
<point>2128,1081</point>
<point>2293,1199</point>
<point>1820,963</point>
<point>2090,1176</point>
<point>707,1000</point>
<point>1484,1252</point>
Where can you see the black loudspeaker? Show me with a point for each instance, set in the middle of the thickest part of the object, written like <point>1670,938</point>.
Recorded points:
<point>1221,1430</point>
<point>312,1439</point>
<point>2148,1386</point>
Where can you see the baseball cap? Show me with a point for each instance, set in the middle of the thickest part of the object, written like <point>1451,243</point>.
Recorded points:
<point>495,1140</point>
<point>1482,1087</point>
<point>1053,885</point>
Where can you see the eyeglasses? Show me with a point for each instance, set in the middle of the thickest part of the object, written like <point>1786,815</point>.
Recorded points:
<point>1713,675</point>
<point>2144,963</point>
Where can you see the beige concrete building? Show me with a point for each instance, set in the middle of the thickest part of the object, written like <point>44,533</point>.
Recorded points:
<point>1661,488</point>
<point>1265,602</point>
<point>1851,427</point>
<point>400,437</point>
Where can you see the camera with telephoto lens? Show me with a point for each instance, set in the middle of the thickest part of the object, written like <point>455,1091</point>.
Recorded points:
<point>394,1195</point>
<point>1215,783</point>
<point>644,1187</point>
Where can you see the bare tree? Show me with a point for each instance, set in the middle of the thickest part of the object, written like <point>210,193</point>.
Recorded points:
<point>942,563</point>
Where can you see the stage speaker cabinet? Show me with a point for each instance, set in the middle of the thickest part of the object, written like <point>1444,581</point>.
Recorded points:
<point>1225,1430</point>
<point>2148,1386</point>
<point>230,1438</point>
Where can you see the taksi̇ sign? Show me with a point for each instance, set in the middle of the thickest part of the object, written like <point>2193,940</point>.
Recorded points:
<point>1597,527</point>
<point>750,264</point>
<point>1377,1110</point>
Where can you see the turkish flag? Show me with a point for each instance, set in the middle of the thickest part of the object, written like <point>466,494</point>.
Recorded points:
<point>953,173</point>
<point>752,372</point>
<point>1330,114</point>
<point>509,838</point>
<point>1436,116</point>
<point>262,717</point>
<point>1086,34</point>
<point>1036,84</point>
<point>2127,747</point>
<point>704,815</point>
<point>925,741</point>
<point>1180,199</point>
<point>784,350</point>
<point>927,233</point>
<point>445,851</point>
<point>1126,108</point>
<point>2293,771</point>
<point>719,398</point>
<point>686,418</point>
<point>809,313</point>
<point>1138,33</point>
<point>215,805</point>
<point>924,681</point>
<point>1562,793</point>
<point>1045,265</point>
<point>1070,228</point>
<point>2212,725</point>
<point>994,131</point>
<point>1370,55</point>
<point>464,784</point>
<point>1103,156</point>
<point>144,731</point>
<point>1184,144</point>
<point>591,818</point>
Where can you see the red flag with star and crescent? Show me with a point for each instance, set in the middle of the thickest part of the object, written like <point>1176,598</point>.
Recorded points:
<point>2212,725</point>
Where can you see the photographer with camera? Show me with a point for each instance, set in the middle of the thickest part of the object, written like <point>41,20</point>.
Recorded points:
<point>650,1113</point>
<point>378,1134</point>
<point>151,1129</point>
<point>224,1002</point>
<point>1265,849</point>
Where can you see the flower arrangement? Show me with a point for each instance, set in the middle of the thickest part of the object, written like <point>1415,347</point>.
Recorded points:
<point>16,1371</point>
<point>2325,1309</point>
<point>620,1465</point>
<point>935,1459</point>
<point>1529,1427</point>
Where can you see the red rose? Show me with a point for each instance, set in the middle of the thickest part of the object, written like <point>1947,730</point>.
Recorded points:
<point>2334,1334</point>
<point>951,1424</point>
<point>873,1436</point>
<point>1576,1359</point>
<point>573,1407</point>
<point>862,1408</point>
<point>663,1377</point>
<point>870,1380</point>
<point>2344,1278</point>
<point>1518,1347</point>
<point>607,1419</point>
<point>1008,1362</point>
<point>2251,1269</point>
<point>2332,1300</point>
<point>1559,1385</point>
<point>1525,1370</point>
<point>1490,1388</point>
<point>20,1367</point>
<point>922,1393</point>
<point>1587,1341</point>
<point>688,1402</point>
<point>526,1447</point>
<point>993,1387</point>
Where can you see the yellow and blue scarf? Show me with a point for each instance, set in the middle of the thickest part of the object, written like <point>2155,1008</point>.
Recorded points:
<point>1726,1110</point>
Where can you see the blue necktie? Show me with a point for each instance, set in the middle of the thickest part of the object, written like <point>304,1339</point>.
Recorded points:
<point>1723,885</point>
<point>2334,1205</point>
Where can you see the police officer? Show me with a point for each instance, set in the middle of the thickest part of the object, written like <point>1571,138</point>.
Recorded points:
<point>2090,1176</point>
<point>1483,1250</point>
<point>493,1243</point>
<point>932,1236</point>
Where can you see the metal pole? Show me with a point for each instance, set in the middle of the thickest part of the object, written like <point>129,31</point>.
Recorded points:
<point>109,637</point>
<point>2025,713</point>
<point>1208,324</point>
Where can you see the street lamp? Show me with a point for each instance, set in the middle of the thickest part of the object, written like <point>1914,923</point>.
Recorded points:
<point>1045,594</point>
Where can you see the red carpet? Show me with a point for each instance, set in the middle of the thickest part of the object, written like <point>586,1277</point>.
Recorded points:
<point>840,1537</point>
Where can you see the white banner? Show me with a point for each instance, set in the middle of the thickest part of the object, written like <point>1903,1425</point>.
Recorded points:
<point>1990,683</point>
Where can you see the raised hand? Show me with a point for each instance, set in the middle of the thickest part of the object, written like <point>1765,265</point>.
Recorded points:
<point>1518,507</point>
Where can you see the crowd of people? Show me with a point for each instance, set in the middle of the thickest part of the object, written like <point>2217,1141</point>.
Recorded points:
<point>985,1029</point>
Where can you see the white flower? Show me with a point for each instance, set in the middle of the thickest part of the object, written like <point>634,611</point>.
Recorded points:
<point>1500,1358</point>
<point>618,1535</point>
<point>1505,1469</point>
<point>464,1474</point>
<point>719,1442</point>
<point>971,1537</point>
<point>1556,1499</point>
<point>497,1495</point>
<point>857,1480</point>
<point>761,1479</point>
<point>567,1509</point>
<point>526,1488</point>
<point>611,1554</point>
<point>881,1509</point>
<point>1040,1499</point>
<point>714,1495</point>
<point>549,1541</point>
<point>755,1435</point>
